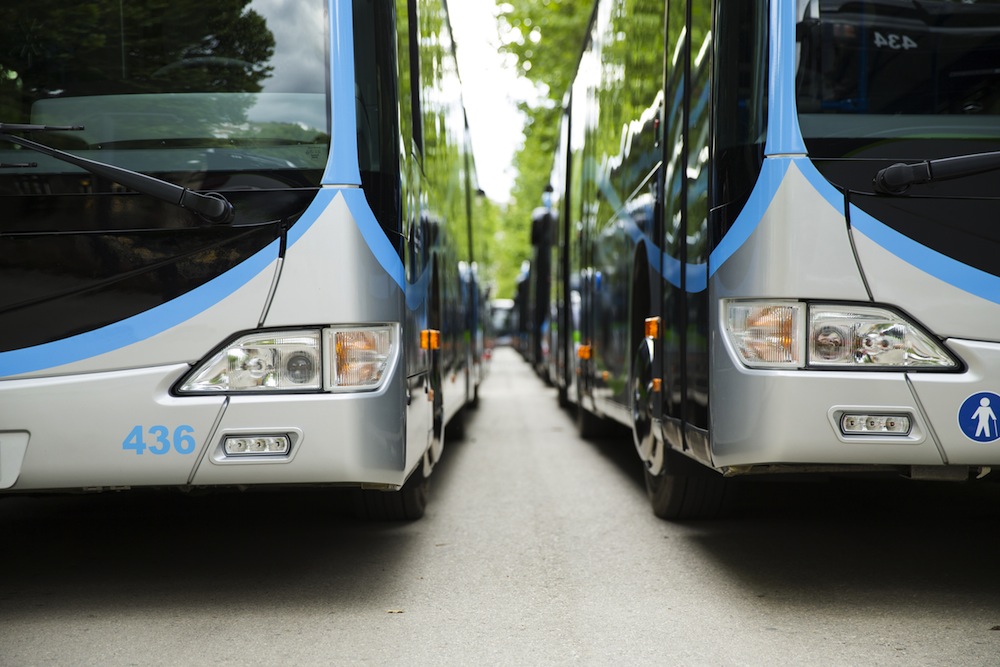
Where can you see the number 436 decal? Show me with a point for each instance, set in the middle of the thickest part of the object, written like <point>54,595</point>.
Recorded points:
<point>160,440</point>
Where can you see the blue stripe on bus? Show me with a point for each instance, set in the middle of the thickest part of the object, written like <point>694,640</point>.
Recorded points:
<point>931,262</point>
<point>138,327</point>
<point>772,174</point>
<point>342,163</point>
<point>784,137</point>
<point>316,207</point>
<point>660,262</point>
<point>374,235</point>
<point>695,274</point>
<point>942,267</point>
<point>163,317</point>
<point>341,169</point>
<point>416,293</point>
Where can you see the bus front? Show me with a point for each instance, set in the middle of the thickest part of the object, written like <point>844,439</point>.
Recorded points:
<point>878,248</point>
<point>195,289</point>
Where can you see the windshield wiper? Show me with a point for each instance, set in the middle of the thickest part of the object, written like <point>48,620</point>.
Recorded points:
<point>895,179</point>
<point>212,206</point>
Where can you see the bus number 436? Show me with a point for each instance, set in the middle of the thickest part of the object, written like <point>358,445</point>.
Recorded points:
<point>160,440</point>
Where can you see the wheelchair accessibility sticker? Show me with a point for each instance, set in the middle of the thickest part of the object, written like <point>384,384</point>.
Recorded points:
<point>978,417</point>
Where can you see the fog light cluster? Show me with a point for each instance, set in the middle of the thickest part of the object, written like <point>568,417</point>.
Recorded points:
<point>871,424</point>
<point>256,445</point>
<point>792,334</point>
<point>336,358</point>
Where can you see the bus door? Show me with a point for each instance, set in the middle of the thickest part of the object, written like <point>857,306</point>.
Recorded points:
<point>673,228</point>
<point>416,252</point>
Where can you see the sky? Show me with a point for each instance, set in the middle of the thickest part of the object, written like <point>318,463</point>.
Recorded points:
<point>491,90</point>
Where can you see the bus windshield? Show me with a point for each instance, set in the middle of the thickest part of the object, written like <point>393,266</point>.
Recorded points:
<point>227,98</point>
<point>871,71</point>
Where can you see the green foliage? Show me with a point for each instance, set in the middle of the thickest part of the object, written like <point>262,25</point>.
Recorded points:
<point>230,50</point>
<point>488,250</point>
<point>546,36</point>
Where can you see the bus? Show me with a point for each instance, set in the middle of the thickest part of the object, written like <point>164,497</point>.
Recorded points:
<point>779,216</point>
<point>236,246</point>
<point>532,293</point>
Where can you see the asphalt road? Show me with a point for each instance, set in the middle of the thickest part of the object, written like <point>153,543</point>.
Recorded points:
<point>537,549</point>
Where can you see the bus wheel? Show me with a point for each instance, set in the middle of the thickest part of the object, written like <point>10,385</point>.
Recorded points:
<point>642,404</point>
<point>687,490</point>
<point>407,504</point>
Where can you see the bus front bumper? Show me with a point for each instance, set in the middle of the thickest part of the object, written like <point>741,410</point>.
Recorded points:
<point>63,433</point>
<point>796,418</point>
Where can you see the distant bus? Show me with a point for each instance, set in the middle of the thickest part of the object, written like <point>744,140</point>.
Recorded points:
<point>235,246</point>
<point>780,220</point>
<point>502,321</point>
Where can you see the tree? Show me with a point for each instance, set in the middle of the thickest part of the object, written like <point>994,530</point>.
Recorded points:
<point>546,36</point>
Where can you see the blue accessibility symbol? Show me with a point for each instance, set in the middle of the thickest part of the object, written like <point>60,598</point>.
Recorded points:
<point>978,417</point>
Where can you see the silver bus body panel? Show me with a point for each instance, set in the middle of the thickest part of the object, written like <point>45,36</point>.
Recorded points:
<point>330,276</point>
<point>800,246</point>
<point>342,438</point>
<point>944,309</point>
<point>76,438</point>
<point>763,417</point>
<point>185,342</point>
<point>942,395</point>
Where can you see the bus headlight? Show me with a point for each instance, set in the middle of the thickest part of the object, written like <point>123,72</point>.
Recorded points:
<point>869,337</point>
<point>789,334</point>
<point>262,361</point>
<point>348,358</point>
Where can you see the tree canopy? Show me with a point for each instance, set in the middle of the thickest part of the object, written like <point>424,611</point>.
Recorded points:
<point>546,37</point>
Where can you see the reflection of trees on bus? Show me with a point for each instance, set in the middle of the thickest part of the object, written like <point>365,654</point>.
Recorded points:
<point>144,46</point>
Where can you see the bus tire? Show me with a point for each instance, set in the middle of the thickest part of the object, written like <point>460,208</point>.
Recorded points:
<point>687,490</point>
<point>407,504</point>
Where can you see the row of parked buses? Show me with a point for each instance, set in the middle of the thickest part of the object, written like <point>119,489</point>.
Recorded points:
<point>773,240</point>
<point>236,246</point>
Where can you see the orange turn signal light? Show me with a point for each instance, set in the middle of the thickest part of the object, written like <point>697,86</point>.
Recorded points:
<point>652,327</point>
<point>430,339</point>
